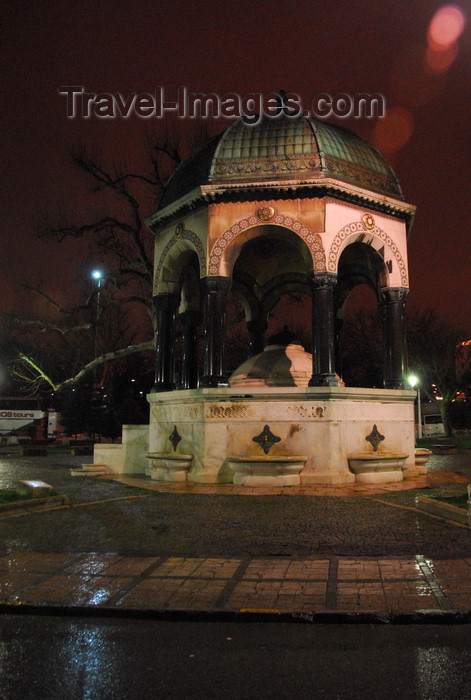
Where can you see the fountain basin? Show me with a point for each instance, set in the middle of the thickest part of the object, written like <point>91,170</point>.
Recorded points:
<point>377,467</point>
<point>422,455</point>
<point>169,466</point>
<point>266,470</point>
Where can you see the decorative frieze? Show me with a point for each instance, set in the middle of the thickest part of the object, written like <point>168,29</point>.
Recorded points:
<point>224,411</point>
<point>303,411</point>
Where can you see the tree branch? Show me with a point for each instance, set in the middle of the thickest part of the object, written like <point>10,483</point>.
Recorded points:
<point>89,367</point>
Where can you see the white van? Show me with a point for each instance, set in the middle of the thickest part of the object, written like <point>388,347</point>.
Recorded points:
<point>432,424</point>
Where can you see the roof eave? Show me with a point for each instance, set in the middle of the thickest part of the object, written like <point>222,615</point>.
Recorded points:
<point>253,190</point>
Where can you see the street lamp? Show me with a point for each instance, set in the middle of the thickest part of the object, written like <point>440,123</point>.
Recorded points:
<point>414,382</point>
<point>98,276</point>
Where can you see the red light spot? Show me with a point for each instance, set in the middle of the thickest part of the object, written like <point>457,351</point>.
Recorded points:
<point>394,131</point>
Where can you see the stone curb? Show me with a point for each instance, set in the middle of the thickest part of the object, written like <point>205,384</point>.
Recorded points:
<point>34,504</point>
<point>444,510</point>
<point>426,617</point>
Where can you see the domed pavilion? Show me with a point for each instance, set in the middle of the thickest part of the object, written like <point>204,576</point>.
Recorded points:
<point>287,205</point>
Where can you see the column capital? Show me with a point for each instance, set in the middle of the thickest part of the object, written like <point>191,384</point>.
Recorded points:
<point>217,284</point>
<point>318,280</point>
<point>393,295</point>
<point>166,301</point>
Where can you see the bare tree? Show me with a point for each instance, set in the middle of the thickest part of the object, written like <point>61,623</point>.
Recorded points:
<point>56,350</point>
<point>432,342</point>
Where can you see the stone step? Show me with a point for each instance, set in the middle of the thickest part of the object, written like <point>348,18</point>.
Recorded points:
<point>90,470</point>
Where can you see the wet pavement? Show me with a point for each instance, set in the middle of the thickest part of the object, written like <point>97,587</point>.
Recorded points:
<point>137,547</point>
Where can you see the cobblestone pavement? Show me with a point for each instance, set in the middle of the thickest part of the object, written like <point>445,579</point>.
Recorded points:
<point>138,545</point>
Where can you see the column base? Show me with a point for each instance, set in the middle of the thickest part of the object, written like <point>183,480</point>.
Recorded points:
<point>214,382</point>
<point>394,384</point>
<point>324,380</point>
<point>162,386</point>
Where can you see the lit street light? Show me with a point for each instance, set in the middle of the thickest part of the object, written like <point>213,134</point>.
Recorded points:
<point>98,276</point>
<point>414,382</point>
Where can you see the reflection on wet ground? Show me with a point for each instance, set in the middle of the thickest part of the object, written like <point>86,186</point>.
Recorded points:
<point>137,545</point>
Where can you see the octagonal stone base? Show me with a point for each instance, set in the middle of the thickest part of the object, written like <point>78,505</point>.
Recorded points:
<point>325,424</point>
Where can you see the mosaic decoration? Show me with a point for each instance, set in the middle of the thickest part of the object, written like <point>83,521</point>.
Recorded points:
<point>179,235</point>
<point>305,411</point>
<point>312,240</point>
<point>236,411</point>
<point>266,439</point>
<point>375,438</point>
<point>288,163</point>
<point>359,227</point>
<point>357,174</point>
<point>174,437</point>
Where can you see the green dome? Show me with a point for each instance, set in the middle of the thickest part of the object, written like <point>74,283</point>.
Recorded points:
<point>283,150</point>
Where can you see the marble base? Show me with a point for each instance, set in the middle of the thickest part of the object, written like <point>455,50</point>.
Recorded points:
<point>326,424</point>
<point>129,457</point>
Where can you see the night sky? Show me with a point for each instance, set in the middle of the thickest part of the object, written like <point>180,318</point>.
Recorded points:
<point>259,46</point>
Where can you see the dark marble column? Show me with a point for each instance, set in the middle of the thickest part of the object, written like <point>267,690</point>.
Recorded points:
<point>190,321</point>
<point>338,324</point>
<point>392,308</point>
<point>323,334</point>
<point>256,328</point>
<point>215,331</point>
<point>165,309</point>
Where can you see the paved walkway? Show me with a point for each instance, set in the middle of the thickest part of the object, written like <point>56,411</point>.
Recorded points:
<point>339,587</point>
<point>315,588</point>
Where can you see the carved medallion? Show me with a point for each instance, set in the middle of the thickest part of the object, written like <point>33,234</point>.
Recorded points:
<point>375,438</point>
<point>266,439</point>
<point>265,213</point>
<point>174,437</point>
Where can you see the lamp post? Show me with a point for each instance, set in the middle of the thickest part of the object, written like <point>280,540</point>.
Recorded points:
<point>414,382</point>
<point>98,276</point>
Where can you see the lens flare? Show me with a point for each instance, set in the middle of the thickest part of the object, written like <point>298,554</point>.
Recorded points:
<point>394,131</point>
<point>445,27</point>
<point>436,62</point>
